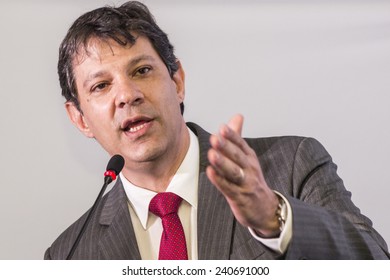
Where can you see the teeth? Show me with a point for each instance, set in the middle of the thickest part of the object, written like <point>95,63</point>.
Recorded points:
<point>136,128</point>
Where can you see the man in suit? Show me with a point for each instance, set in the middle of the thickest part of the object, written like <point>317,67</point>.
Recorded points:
<point>266,198</point>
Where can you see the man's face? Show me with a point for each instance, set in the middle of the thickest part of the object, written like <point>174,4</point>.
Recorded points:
<point>128,100</point>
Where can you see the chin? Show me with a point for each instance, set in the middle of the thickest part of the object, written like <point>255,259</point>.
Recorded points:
<point>145,154</point>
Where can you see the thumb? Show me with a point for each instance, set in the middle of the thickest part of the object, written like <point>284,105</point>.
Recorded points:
<point>236,123</point>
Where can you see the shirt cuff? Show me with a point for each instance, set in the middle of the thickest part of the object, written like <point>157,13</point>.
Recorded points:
<point>279,244</point>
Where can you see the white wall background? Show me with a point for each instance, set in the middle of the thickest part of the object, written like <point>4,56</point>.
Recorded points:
<point>313,68</point>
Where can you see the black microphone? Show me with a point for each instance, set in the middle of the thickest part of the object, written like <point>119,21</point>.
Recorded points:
<point>114,166</point>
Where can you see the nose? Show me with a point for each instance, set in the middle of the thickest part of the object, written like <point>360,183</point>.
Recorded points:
<point>128,94</point>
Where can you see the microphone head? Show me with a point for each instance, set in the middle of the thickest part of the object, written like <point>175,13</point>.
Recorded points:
<point>116,164</point>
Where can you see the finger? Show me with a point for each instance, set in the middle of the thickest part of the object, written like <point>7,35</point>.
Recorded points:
<point>224,186</point>
<point>236,123</point>
<point>226,168</point>
<point>226,135</point>
<point>229,150</point>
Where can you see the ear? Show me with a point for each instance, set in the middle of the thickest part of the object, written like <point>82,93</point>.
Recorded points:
<point>77,118</point>
<point>179,78</point>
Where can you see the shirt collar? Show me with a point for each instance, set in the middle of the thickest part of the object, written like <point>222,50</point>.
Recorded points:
<point>184,183</point>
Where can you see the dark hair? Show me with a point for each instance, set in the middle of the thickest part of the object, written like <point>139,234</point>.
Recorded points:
<point>119,24</point>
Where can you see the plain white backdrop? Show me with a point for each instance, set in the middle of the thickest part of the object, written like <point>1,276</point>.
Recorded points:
<point>312,68</point>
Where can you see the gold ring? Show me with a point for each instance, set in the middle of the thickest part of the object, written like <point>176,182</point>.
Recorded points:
<point>242,175</point>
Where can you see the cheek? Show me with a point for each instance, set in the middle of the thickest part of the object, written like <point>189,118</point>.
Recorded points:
<point>174,98</point>
<point>97,114</point>
<point>169,104</point>
<point>102,103</point>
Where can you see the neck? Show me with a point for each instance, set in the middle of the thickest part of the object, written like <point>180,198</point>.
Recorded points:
<point>157,174</point>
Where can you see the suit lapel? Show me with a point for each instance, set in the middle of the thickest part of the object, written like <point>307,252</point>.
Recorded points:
<point>118,240</point>
<point>215,220</point>
<point>219,234</point>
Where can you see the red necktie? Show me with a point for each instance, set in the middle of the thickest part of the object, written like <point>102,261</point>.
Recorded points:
<point>173,242</point>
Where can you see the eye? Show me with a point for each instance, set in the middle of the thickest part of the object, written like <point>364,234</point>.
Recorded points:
<point>143,71</point>
<point>99,87</point>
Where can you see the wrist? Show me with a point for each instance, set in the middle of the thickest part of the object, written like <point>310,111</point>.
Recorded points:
<point>276,225</point>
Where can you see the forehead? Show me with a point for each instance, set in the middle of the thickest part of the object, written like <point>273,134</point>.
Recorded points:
<point>99,50</point>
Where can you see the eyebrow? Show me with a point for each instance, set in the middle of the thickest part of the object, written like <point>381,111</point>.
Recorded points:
<point>134,61</point>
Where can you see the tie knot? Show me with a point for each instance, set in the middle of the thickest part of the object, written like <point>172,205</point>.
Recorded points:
<point>164,203</point>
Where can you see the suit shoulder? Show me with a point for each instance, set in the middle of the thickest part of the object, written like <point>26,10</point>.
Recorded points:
<point>64,242</point>
<point>283,151</point>
<point>286,143</point>
<point>283,142</point>
<point>61,246</point>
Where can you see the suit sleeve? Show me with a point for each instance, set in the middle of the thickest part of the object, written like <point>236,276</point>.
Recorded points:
<point>326,223</point>
<point>47,255</point>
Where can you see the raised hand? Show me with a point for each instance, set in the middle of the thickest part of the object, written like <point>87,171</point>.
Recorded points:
<point>235,170</point>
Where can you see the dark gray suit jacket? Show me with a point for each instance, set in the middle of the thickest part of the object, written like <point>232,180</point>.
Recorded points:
<point>326,224</point>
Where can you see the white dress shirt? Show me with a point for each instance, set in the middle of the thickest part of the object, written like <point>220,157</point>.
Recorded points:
<point>148,228</point>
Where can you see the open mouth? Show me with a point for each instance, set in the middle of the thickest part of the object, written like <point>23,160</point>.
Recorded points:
<point>133,126</point>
